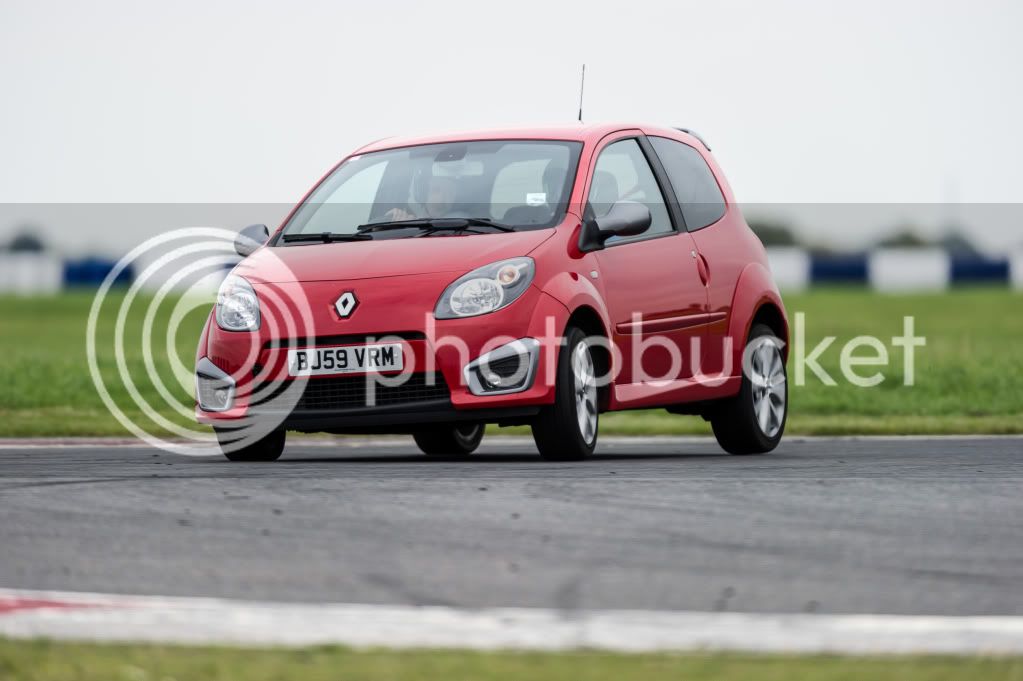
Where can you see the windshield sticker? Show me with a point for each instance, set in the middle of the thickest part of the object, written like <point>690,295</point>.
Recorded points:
<point>536,198</point>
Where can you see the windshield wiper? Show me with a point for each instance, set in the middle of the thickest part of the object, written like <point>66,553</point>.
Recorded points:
<point>487,222</point>
<point>326,237</point>
<point>435,225</point>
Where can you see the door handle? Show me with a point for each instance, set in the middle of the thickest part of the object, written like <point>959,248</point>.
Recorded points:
<point>702,268</point>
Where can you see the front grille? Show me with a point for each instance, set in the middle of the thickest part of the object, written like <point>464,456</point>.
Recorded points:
<point>356,392</point>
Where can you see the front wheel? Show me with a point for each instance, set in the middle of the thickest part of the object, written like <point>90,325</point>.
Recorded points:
<point>450,441</point>
<point>567,429</point>
<point>753,421</point>
<point>268,448</point>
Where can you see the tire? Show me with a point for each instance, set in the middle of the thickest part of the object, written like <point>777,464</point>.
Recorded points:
<point>269,448</point>
<point>567,429</point>
<point>746,424</point>
<point>450,441</point>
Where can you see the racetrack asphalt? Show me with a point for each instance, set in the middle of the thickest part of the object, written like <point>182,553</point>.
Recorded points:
<point>900,526</point>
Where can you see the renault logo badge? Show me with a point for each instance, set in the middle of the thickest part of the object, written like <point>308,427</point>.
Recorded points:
<point>346,304</point>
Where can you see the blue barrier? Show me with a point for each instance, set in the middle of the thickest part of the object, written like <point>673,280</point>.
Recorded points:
<point>979,270</point>
<point>838,268</point>
<point>92,272</point>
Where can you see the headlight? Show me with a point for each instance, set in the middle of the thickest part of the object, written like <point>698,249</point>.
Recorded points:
<point>237,305</point>
<point>486,289</point>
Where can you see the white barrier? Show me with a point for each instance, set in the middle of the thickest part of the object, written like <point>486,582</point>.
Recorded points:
<point>30,273</point>
<point>909,269</point>
<point>1016,270</point>
<point>790,267</point>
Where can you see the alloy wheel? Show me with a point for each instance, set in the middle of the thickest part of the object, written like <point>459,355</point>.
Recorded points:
<point>767,374</point>
<point>585,391</point>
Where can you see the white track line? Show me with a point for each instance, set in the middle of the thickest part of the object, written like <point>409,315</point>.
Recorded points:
<point>102,617</point>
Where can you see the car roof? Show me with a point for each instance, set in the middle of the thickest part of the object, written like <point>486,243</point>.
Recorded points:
<point>579,132</point>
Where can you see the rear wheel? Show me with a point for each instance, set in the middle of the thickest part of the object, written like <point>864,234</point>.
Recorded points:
<point>453,441</point>
<point>567,429</point>
<point>269,448</point>
<point>753,421</point>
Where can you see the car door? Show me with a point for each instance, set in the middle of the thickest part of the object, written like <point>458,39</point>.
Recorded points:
<point>696,193</point>
<point>654,294</point>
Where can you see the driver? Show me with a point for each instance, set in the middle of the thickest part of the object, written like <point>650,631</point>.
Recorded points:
<point>440,198</point>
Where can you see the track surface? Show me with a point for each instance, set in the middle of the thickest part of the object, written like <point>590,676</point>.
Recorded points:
<point>841,526</point>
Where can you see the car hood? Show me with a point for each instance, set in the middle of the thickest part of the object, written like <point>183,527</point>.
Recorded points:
<point>386,257</point>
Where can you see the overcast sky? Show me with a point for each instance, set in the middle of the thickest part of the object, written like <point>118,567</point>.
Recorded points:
<point>802,102</point>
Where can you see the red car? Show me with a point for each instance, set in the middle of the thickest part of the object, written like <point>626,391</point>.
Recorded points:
<point>541,277</point>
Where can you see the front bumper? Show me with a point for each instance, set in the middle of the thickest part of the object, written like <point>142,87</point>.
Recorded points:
<point>444,349</point>
<point>383,420</point>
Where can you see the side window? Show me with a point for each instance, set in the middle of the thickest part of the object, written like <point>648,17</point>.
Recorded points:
<point>695,187</point>
<point>623,174</point>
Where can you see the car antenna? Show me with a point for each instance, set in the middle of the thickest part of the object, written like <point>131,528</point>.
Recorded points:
<point>582,83</point>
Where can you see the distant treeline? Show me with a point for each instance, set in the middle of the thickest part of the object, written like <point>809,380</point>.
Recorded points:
<point>778,234</point>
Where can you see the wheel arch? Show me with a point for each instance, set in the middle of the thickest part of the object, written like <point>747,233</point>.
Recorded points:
<point>583,301</point>
<point>772,316</point>
<point>587,319</point>
<point>756,300</point>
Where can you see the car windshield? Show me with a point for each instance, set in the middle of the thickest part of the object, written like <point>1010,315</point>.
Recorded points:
<point>454,187</point>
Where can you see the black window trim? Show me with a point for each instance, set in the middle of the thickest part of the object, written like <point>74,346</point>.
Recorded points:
<point>678,225</point>
<point>667,191</point>
<point>674,199</point>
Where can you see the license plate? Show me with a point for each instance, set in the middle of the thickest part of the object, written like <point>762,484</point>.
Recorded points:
<point>350,359</point>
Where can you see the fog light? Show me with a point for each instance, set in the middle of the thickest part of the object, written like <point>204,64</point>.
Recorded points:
<point>508,369</point>
<point>214,389</point>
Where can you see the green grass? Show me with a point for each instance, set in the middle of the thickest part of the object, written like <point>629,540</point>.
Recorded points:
<point>968,375</point>
<point>43,661</point>
<point>47,387</point>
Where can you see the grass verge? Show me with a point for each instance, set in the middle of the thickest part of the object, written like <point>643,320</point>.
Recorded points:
<point>48,661</point>
<point>967,376</point>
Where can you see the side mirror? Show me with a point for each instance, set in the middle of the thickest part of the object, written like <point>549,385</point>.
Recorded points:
<point>251,238</point>
<point>626,218</point>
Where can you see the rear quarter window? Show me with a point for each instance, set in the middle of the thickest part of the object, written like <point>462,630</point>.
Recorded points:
<point>693,182</point>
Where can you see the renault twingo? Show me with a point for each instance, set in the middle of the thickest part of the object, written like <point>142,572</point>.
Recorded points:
<point>542,277</point>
